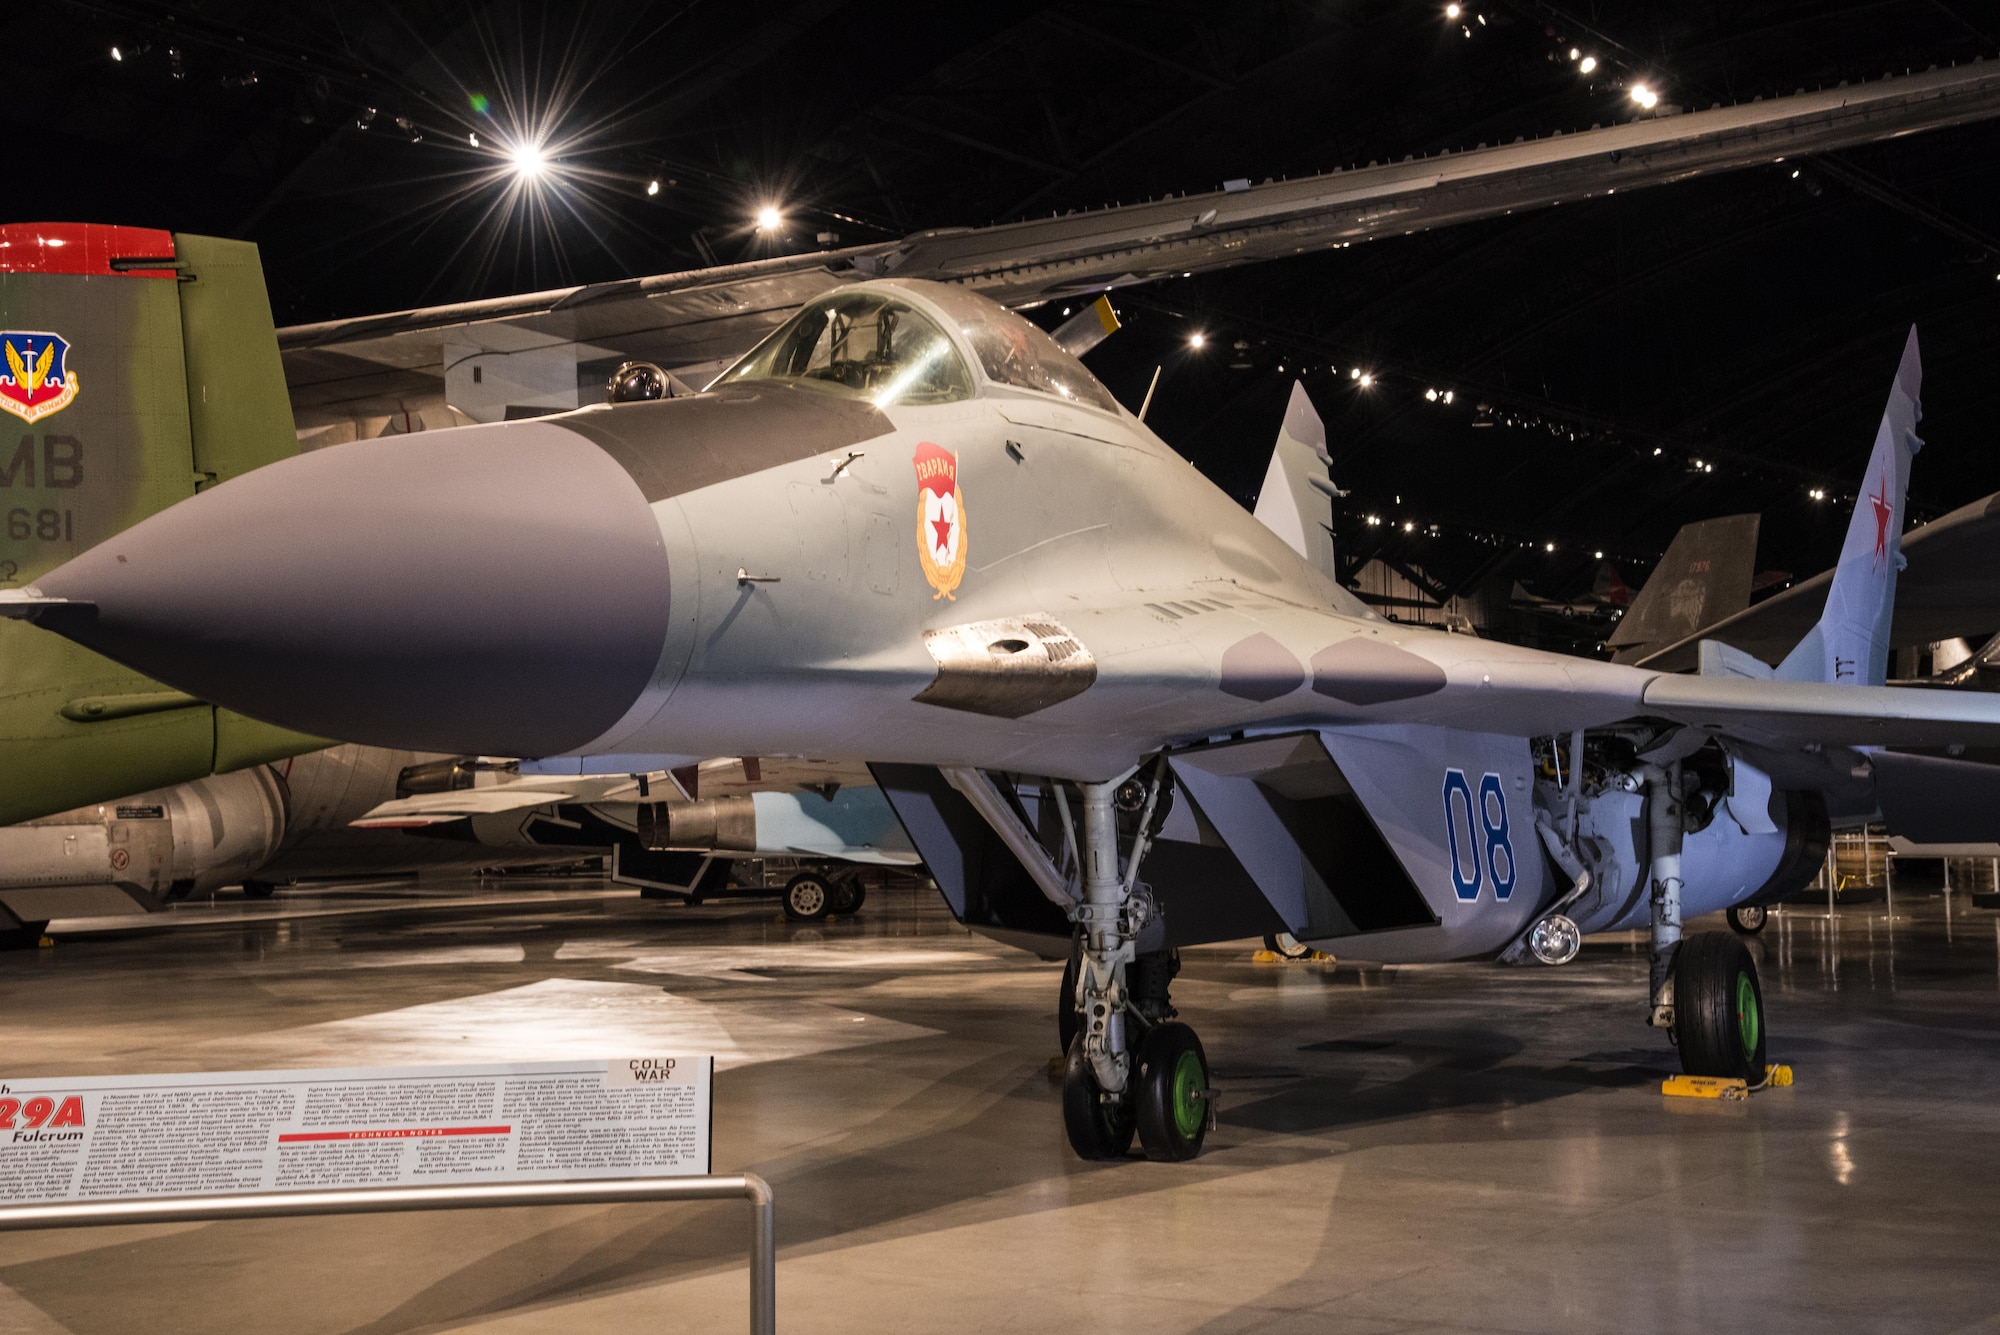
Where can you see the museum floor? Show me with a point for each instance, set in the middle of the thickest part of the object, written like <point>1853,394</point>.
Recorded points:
<point>1435,1148</point>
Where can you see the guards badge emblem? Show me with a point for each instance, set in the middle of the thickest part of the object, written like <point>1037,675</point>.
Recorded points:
<point>940,519</point>
<point>36,380</point>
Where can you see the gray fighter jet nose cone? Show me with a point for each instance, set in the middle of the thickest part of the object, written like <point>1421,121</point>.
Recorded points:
<point>499,589</point>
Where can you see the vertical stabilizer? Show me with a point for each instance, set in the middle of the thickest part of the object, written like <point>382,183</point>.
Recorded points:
<point>1704,577</point>
<point>1850,645</point>
<point>1296,502</point>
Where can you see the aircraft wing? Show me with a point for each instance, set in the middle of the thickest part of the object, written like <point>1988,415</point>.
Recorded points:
<point>1780,713</point>
<point>1948,589</point>
<point>409,813</point>
<point>537,352</point>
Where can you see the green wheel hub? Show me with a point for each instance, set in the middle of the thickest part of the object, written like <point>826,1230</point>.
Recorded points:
<point>1187,1095</point>
<point>1749,1019</point>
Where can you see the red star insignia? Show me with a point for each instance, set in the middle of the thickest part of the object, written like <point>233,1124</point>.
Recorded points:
<point>943,527</point>
<point>1883,511</point>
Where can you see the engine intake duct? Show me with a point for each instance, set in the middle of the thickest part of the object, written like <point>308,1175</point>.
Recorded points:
<point>723,824</point>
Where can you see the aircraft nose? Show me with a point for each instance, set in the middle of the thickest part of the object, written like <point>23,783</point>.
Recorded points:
<point>492,589</point>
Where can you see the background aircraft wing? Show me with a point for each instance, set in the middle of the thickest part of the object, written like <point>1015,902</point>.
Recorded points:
<point>533,353</point>
<point>1949,589</point>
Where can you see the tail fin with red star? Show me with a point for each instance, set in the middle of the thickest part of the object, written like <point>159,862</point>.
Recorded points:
<point>1850,645</point>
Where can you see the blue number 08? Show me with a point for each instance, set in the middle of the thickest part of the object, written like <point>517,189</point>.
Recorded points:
<point>1473,818</point>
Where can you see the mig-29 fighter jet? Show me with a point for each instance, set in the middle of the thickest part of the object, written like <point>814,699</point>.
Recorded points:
<point>1102,698</point>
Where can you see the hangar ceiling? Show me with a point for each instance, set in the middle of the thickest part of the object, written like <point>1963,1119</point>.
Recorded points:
<point>1618,367</point>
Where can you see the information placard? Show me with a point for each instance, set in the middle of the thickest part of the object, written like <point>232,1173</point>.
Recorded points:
<point>94,1138</point>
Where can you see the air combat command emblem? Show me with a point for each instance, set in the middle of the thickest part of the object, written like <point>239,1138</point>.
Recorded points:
<point>940,519</point>
<point>37,380</point>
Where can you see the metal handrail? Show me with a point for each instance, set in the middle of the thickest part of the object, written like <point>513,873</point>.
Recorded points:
<point>378,1200</point>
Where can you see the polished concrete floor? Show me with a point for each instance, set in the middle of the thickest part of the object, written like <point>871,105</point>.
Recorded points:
<point>1438,1148</point>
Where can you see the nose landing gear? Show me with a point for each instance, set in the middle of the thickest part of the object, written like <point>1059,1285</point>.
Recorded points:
<point>1113,1086</point>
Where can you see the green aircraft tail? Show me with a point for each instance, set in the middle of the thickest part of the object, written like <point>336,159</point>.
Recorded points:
<point>136,367</point>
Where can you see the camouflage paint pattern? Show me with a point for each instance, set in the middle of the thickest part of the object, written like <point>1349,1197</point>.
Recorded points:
<point>179,385</point>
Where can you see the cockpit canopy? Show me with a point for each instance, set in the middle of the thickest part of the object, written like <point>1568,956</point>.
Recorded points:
<point>862,345</point>
<point>870,344</point>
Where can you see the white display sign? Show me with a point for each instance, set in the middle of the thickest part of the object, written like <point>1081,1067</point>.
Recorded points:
<point>95,1138</point>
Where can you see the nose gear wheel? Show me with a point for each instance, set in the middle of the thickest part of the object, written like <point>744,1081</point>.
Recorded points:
<point>1172,1095</point>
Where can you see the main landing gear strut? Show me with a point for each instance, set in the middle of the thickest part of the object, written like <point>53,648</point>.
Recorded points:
<point>1130,1067</point>
<point>1704,989</point>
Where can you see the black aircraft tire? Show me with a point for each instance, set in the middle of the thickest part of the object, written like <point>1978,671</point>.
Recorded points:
<point>259,889</point>
<point>1170,1098</point>
<point>1718,1008</point>
<point>1748,919</point>
<point>808,897</point>
<point>847,894</point>
<point>1066,1012</point>
<point>1097,1130</point>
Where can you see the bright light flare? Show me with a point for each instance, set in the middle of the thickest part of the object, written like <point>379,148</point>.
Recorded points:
<point>1452,11</point>
<point>1365,380</point>
<point>528,159</point>
<point>1197,341</point>
<point>1587,64</point>
<point>116,54</point>
<point>1645,96</point>
<point>769,219</point>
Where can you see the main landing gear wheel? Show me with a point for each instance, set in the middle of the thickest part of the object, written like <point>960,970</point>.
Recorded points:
<point>1286,946</point>
<point>1172,1093</point>
<point>1748,919</point>
<point>259,889</point>
<point>848,895</point>
<point>1718,1008</point>
<point>1099,1128</point>
<point>808,897</point>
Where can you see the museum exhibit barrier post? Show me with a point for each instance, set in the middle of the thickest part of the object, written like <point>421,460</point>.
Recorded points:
<point>382,1200</point>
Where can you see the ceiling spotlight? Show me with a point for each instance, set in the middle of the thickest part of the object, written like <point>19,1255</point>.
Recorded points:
<point>1354,373</point>
<point>1599,556</point>
<point>1431,394</point>
<point>1197,340</point>
<point>769,219</point>
<point>1645,96</point>
<point>1817,493</point>
<point>474,139</point>
<point>1409,527</point>
<point>1448,396</point>
<point>652,187</point>
<point>116,54</point>
<point>527,159</point>
<point>1374,520</point>
<point>1452,11</point>
<point>1656,451</point>
<point>1575,54</point>
<point>1588,64</point>
<point>1548,546</point>
<point>1366,380</point>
